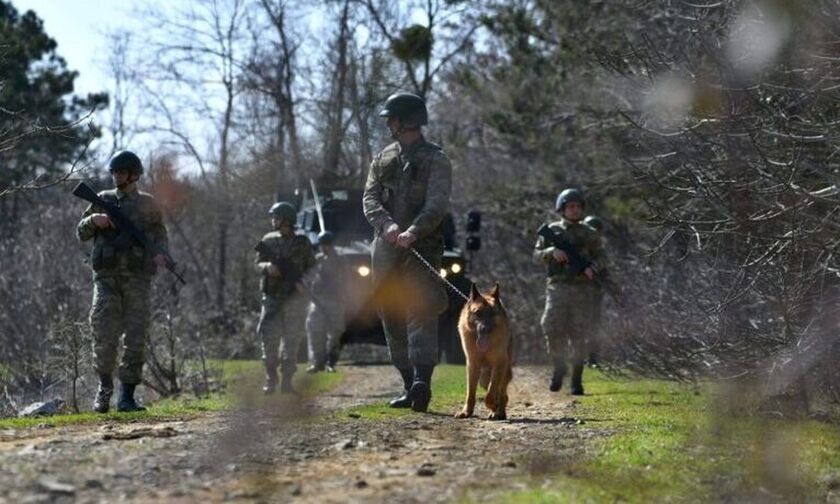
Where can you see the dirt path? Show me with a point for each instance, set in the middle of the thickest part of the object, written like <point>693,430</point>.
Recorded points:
<point>291,451</point>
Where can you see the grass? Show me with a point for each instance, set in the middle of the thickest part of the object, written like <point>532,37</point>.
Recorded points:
<point>447,396</point>
<point>243,382</point>
<point>666,442</point>
<point>671,444</point>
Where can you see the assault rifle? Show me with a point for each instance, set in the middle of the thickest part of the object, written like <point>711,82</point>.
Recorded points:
<point>291,273</point>
<point>577,263</point>
<point>127,232</point>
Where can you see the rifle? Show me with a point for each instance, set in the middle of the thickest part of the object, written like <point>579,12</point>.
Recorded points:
<point>291,274</point>
<point>127,232</point>
<point>577,263</point>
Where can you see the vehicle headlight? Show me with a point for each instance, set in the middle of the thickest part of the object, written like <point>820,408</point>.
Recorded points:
<point>363,271</point>
<point>443,272</point>
<point>456,268</point>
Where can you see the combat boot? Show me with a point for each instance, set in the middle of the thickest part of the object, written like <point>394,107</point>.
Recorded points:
<point>102,403</point>
<point>404,401</point>
<point>315,368</point>
<point>270,381</point>
<point>421,390</point>
<point>332,361</point>
<point>577,378</point>
<point>286,384</point>
<point>556,381</point>
<point>126,402</point>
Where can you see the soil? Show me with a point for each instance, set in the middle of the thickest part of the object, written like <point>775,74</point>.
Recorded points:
<point>304,451</point>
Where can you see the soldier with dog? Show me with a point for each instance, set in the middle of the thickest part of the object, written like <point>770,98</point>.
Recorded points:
<point>405,200</point>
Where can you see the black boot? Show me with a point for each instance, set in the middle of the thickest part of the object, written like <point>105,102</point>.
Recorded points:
<point>126,401</point>
<point>556,382</point>
<point>286,384</point>
<point>577,379</point>
<point>102,403</point>
<point>315,368</point>
<point>404,401</point>
<point>270,380</point>
<point>421,389</point>
<point>332,361</point>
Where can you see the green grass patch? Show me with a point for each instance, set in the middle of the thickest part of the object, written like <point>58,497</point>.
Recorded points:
<point>673,442</point>
<point>242,380</point>
<point>447,396</point>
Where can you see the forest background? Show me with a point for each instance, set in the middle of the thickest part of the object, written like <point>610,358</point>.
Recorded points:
<point>704,135</point>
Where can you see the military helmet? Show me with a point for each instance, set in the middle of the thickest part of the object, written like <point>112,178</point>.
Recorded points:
<point>125,161</point>
<point>407,107</point>
<point>594,222</point>
<point>571,194</point>
<point>326,238</point>
<point>284,211</point>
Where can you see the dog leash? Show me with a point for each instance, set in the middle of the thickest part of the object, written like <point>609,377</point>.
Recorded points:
<point>437,274</point>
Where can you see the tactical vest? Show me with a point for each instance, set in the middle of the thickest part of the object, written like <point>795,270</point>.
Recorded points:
<point>110,255</point>
<point>405,180</point>
<point>556,271</point>
<point>283,249</point>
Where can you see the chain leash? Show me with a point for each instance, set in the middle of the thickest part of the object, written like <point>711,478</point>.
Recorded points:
<point>437,274</point>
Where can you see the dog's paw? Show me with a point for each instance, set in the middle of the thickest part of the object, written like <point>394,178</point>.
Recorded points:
<point>463,414</point>
<point>497,416</point>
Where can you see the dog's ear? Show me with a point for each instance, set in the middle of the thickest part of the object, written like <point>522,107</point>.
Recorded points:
<point>495,292</point>
<point>474,294</point>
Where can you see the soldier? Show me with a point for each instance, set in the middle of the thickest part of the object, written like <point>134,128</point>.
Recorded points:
<point>325,318</point>
<point>594,341</point>
<point>282,259</point>
<point>570,300</point>
<point>122,279</point>
<point>405,200</point>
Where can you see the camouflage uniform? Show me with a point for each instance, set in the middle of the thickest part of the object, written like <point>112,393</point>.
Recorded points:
<point>283,302</point>
<point>122,284</point>
<point>325,318</point>
<point>570,304</point>
<point>409,186</point>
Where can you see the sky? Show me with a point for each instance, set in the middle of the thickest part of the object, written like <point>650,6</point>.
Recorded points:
<point>78,26</point>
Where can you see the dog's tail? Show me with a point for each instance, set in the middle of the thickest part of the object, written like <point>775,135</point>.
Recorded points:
<point>484,377</point>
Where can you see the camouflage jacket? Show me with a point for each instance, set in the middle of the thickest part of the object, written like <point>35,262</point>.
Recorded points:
<point>108,259</point>
<point>409,186</point>
<point>585,239</point>
<point>293,250</point>
<point>327,281</point>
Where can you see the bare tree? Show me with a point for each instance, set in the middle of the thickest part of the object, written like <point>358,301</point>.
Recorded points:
<point>338,91</point>
<point>198,52</point>
<point>272,72</point>
<point>450,28</point>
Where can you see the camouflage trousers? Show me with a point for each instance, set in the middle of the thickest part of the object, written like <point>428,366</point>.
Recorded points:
<point>281,330</point>
<point>324,327</point>
<point>596,337</point>
<point>119,313</point>
<point>568,319</point>
<point>409,299</point>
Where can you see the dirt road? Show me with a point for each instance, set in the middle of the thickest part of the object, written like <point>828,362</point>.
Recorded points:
<point>301,452</point>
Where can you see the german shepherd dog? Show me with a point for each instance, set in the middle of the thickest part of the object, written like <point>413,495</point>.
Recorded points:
<point>489,350</point>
